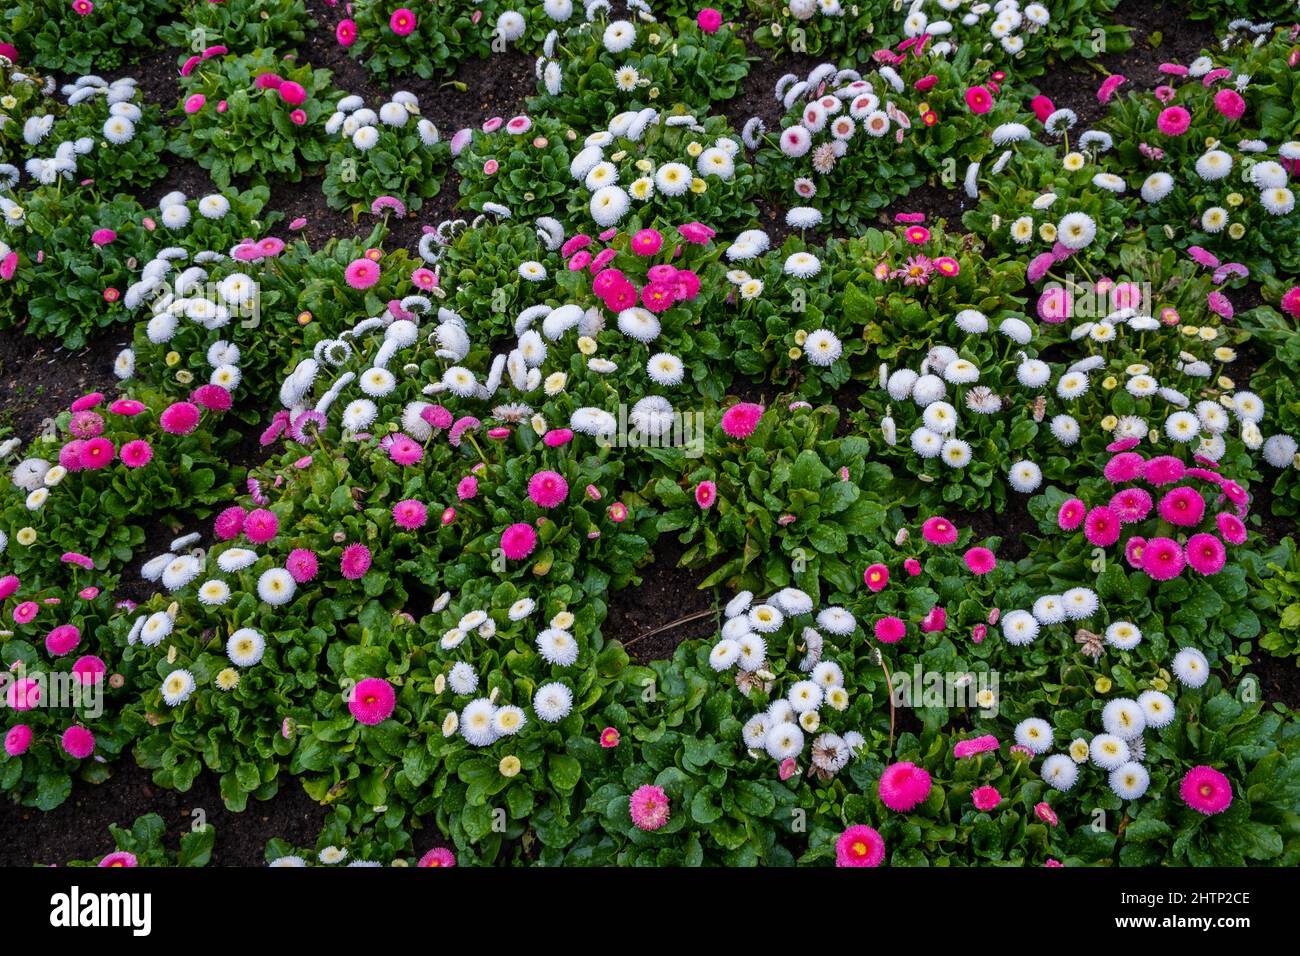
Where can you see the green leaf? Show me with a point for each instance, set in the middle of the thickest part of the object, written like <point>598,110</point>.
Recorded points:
<point>563,771</point>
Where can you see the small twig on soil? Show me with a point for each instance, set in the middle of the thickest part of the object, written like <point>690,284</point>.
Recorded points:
<point>672,624</point>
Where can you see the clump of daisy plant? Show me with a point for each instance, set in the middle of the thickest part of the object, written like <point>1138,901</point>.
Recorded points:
<point>254,115</point>
<point>390,159</point>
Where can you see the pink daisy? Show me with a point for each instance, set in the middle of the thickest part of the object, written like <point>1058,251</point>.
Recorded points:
<point>437,417</point>
<point>1101,526</point>
<point>1235,493</point>
<point>1163,470</point>
<point>355,561</point>
<point>975,745</point>
<point>261,526</point>
<point>179,418</point>
<point>62,639</point>
<point>301,565</point>
<point>696,233</point>
<point>648,807</point>
<point>1108,87</point>
<point>17,739</point>
<point>547,489</point>
<point>88,669</point>
<point>361,273</point>
<point>410,514</point>
<point>1163,559</point>
<point>646,242</point>
<point>212,397</point>
<point>890,630</point>
<point>1125,466</point>
<point>706,492</point>
<point>86,424</point>
<point>402,22</point>
<point>78,742</point>
<point>229,523</point>
<point>935,621</point>
<point>1055,305</point>
<point>1183,506</point>
<point>26,612</point>
<point>938,530</point>
<point>1230,104</point>
<point>1071,514</point>
<point>458,429</point>
<point>978,99</point>
<point>1206,554</point>
<point>518,541</point>
<point>127,406</point>
<point>438,857</point>
<point>980,560</point>
<point>859,845</point>
<point>1174,121</point>
<point>903,786</point>
<point>137,453</point>
<point>1231,527</point>
<point>405,450</point>
<point>97,453</point>
<point>740,420</point>
<point>1206,790</point>
<point>372,700</point>
<point>1131,505</point>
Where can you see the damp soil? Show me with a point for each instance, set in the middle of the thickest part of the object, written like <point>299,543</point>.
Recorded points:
<point>78,828</point>
<point>1279,679</point>
<point>666,608</point>
<point>1012,522</point>
<point>1161,34</point>
<point>40,378</point>
<point>476,91</point>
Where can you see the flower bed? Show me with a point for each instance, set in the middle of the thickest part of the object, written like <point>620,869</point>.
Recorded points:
<point>985,497</point>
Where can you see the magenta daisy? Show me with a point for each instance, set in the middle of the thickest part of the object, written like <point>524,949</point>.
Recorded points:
<point>372,700</point>
<point>648,807</point>
<point>355,561</point>
<point>859,845</point>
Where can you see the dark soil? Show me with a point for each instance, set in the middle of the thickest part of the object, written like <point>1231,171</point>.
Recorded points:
<point>939,203</point>
<point>757,94</point>
<point>1279,679</point>
<point>640,617</point>
<point>78,829</point>
<point>479,89</point>
<point>1161,34</point>
<point>39,378</point>
<point>1011,524</point>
